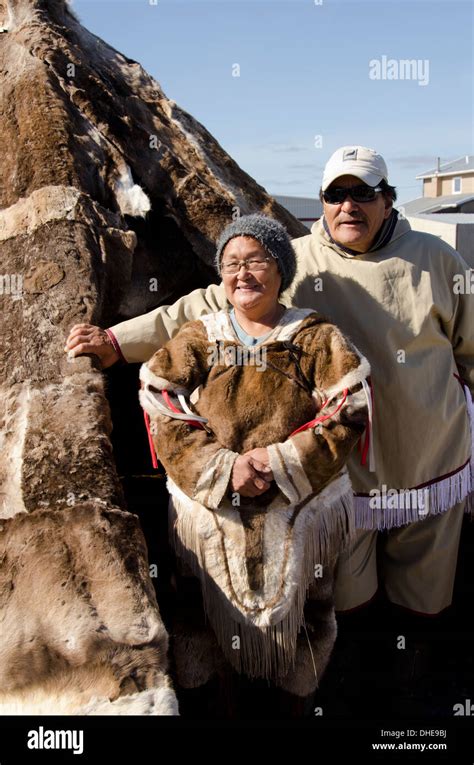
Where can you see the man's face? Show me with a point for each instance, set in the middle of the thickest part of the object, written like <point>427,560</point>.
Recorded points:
<point>355,224</point>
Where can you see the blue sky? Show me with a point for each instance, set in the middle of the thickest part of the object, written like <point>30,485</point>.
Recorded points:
<point>304,72</point>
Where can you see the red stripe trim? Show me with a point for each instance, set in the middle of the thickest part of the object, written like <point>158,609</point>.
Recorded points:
<point>368,434</point>
<point>154,460</point>
<point>194,423</point>
<point>324,417</point>
<point>427,483</point>
<point>166,397</point>
<point>116,345</point>
<point>462,383</point>
<point>365,449</point>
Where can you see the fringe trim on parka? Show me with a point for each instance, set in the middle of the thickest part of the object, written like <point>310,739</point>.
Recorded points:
<point>385,511</point>
<point>470,409</point>
<point>257,630</point>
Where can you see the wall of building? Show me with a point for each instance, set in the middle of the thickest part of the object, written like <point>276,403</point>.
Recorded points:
<point>437,187</point>
<point>467,184</point>
<point>446,231</point>
<point>458,235</point>
<point>430,187</point>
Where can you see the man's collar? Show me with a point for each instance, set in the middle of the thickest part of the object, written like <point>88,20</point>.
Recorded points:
<point>382,237</point>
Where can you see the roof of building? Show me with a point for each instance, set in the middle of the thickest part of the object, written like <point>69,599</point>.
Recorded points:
<point>433,204</point>
<point>457,218</point>
<point>303,208</point>
<point>454,167</point>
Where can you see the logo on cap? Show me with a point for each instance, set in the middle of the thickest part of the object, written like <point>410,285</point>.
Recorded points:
<point>349,154</point>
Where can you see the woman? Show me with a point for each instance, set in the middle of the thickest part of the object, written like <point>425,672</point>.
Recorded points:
<point>260,499</point>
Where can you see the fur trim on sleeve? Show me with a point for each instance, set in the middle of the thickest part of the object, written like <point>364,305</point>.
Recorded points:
<point>288,471</point>
<point>214,479</point>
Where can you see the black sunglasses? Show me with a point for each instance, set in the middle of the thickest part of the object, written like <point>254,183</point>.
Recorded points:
<point>362,193</point>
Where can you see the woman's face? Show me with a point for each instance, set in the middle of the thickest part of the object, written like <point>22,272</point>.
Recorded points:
<point>254,292</point>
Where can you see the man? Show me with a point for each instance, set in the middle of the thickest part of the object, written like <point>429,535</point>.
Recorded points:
<point>391,290</point>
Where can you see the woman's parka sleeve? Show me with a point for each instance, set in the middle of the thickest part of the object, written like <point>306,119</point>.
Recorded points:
<point>192,457</point>
<point>308,461</point>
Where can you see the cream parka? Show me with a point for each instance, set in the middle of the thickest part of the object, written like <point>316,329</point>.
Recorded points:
<point>403,307</point>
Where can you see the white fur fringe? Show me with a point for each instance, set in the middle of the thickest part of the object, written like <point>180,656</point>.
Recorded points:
<point>263,645</point>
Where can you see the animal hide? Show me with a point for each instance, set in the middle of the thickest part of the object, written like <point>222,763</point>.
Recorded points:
<point>255,566</point>
<point>80,625</point>
<point>104,686</point>
<point>90,143</point>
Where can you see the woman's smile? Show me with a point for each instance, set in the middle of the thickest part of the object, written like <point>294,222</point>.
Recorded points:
<point>252,292</point>
<point>249,287</point>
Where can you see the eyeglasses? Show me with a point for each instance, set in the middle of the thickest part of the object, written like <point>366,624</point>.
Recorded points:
<point>362,193</point>
<point>252,265</point>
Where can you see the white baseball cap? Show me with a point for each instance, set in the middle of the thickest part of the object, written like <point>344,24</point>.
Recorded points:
<point>364,163</point>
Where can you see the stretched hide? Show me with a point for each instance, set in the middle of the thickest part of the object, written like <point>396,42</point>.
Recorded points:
<point>81,631</point>
<point>103,176</point>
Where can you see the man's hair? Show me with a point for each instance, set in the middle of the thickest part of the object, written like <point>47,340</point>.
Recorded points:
<point>387,190</point>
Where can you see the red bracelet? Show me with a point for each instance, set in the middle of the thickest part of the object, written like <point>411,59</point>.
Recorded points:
<point>116,346</point>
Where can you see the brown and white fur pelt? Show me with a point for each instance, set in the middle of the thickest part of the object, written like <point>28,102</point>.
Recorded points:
<point>81,631</point>
<point>256,562</point>
<point>114,684</point>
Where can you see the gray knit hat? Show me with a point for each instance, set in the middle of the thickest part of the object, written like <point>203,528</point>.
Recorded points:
<point>271,235</point>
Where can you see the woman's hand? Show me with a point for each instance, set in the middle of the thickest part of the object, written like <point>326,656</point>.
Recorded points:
<point>85,338</point>
<point>261,455</point>
<point>250,477</point>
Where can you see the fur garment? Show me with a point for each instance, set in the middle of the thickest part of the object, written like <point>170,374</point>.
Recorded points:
<point>257,558</point>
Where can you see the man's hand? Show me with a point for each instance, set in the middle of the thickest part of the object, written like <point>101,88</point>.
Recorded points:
<point>85,338</point>
<point>250,477</point>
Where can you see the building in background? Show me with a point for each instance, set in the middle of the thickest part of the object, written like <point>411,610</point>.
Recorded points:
<point>306,209</point>
<point>449,179</point>
<point>446,208</point>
